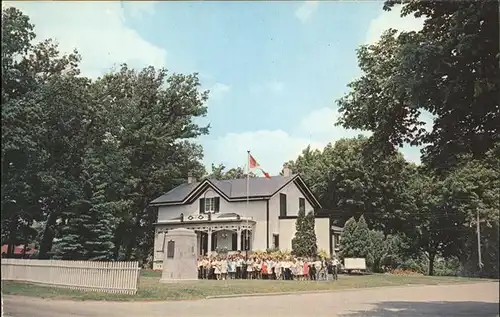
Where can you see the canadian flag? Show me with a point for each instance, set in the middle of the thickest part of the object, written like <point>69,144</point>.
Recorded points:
<point>252,163</point>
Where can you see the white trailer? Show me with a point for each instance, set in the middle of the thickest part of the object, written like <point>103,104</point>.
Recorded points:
<point>354,264</point>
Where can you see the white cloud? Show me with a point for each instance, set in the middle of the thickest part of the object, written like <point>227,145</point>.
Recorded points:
<point>392,19</point>
<point>218,90</point>
<point>98,30</point>
<point>306,9</point>
<point>274,86</point>
<point>274,147</point>
<point>271,148</point>
<point>138,9</point>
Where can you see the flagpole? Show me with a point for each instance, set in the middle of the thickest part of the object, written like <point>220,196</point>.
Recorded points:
<point>248,198</point>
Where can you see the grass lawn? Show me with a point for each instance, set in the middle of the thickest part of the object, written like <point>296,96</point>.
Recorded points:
<point>151,289</point>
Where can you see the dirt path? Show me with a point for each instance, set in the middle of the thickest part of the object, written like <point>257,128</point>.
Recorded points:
<point>479,300</point>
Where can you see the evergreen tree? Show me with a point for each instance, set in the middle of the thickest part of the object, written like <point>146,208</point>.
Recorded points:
<point>356,240</point>
<point>347,239</point>
<point>362,238</point>
<point>304,242</point>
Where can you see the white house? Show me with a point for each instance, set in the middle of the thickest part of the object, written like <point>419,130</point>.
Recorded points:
<point>227,215</point>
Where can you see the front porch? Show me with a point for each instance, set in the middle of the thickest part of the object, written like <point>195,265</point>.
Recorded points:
<point>228,232</point>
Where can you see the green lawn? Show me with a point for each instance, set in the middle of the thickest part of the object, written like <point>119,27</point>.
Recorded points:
<point>151,289</point>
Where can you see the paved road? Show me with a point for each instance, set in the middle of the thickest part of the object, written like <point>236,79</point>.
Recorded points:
<point>479,300</point>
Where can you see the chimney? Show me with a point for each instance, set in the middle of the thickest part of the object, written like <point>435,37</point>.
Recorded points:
<point>191,178</point>
<point>287,172</point>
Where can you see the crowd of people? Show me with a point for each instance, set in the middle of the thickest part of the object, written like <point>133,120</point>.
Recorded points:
<point>238,266</point>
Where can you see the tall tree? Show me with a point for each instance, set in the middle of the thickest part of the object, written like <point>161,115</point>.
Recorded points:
<point>30,75</point>
<point>448,69</point>
<point>472,191</point>
<point>304,244</point>
<point>157,114</point>
<point>437,223</point>
<point>347,240</point>
<point>351,181</point>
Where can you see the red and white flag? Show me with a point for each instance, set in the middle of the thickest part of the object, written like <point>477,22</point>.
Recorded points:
<point>265,174</point>
<point>252,163</point>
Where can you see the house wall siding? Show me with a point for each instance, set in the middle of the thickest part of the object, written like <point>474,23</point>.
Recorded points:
<point>285,228</point>
<point>293,194</point>
<point>254,209</point>
<point>322,229</point>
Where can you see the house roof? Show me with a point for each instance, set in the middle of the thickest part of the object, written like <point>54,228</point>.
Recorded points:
<point>234,189</point>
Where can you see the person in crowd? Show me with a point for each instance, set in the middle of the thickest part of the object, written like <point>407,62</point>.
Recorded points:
<point>270,268</point>
<point>278,271</point>
<point>263,270</point>
<point>205,267</point>
<point>306,269</point>
<point>223,268</point>
<point>216,268</point>
<point>266,267</point>
<point>239,267</point>
<point>312,270</point>
<point>335,264</point>
<point>317,268</point>
<point>231,267</point>
<point>250,269</point>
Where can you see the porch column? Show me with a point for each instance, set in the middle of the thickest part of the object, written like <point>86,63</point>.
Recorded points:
<point>198,242</point>
<point>333,244</point>
<point>209,240</point>
<point>239,240</point>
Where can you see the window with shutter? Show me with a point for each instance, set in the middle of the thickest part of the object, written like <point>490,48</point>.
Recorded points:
<point>282,205</point>
<point>170,249</point>
<point>202,205</point>
<point>302,204</point>
<point>216,204</point>
<point>276,242</point>
<point>211,205</point>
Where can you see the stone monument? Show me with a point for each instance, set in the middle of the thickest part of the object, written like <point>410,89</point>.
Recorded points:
<point>179,262</point>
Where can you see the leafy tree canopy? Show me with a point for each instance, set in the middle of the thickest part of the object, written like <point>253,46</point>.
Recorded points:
<point>448,69</point>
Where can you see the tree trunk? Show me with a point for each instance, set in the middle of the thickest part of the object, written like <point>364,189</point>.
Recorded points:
<point>132,239</point>
<point>10,250</point>
<point>432,258</point>
<point>48,237</point>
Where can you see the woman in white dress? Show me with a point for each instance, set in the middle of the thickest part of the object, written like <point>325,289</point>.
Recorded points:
<point>223,269</point>
<point>250,269</point>
<point>299,270</point>
<point>277,269</point>
<point>231,267</point>
<point>216,265</point>
<point>257,269</point>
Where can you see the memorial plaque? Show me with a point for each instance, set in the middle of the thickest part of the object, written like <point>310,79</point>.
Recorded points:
<point>170,249</point>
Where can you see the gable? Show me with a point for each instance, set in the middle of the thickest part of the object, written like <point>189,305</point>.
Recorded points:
<point>235,190</point>
<point>299,184</point>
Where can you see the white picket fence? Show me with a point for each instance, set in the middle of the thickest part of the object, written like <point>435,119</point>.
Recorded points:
<point>112,277</point>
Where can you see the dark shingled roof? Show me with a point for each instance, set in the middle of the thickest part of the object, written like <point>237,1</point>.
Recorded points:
<point>234,188</point>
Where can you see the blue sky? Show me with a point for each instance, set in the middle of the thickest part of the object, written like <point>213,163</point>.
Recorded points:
<point>274,69</point>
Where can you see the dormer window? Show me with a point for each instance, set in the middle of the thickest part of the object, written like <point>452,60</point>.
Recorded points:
<point>209,205</point>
